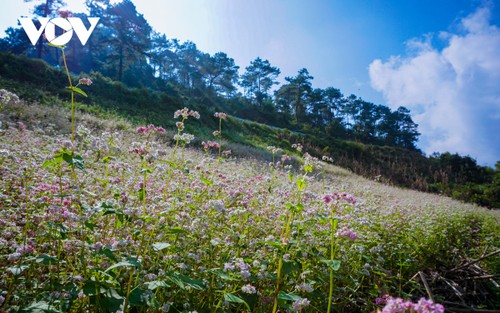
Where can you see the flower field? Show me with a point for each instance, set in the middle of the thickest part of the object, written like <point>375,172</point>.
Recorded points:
<point>148,220</point>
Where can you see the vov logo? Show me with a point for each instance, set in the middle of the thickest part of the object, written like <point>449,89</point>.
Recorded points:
<point>68,25</point>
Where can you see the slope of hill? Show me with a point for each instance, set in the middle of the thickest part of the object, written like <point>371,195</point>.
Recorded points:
<point>123,219</point>
<point>452,175</point>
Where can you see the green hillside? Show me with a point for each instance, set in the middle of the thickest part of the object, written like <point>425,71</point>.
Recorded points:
<point>121,218</point>
<point>453,175</point>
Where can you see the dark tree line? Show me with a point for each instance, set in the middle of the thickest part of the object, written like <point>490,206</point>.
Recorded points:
<point>124,47</point>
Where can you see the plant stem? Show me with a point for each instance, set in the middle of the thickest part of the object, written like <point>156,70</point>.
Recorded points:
<point>72,99</point>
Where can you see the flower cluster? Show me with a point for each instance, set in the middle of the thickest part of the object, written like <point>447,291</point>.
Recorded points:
<point>398,305</point>
<point>347,233</point>
<point>85,81</point>
<point>275,150</point>
<point>249,289</point>
<point>301,304</point>
<point>220,115</point>
<point>150,129</point>
<point>185,113</point>
<point>338,197</point>
<point>6,96</point>
<point>327,159</point>
<point>210,144</point>
<point>304,287</point>
<point>185,138</point>
<point>298,147</point>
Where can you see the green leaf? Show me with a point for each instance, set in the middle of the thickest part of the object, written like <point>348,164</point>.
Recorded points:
<point>109,254</point>
<point>111,300</point>
<point>289,267</point>
<point>308,168</point>
<point>77,90</point>
<point>207,182</point>
<point>39,307</point>
<point>301,183</point>
<point>135,297</point>
<point>46,259</point>
<point>275,244</point>
<point>222,275</point>
<point>158,246</point>
<point>152,285</point>
<point>56,160</point>
<point>123,263</point>
<point>288,296</point>
<point>333,264</point>
<point>74,160</point>
<point>17,270</point>
<point>177,281</point>
<point>146,170</point>
<point>235,299</point>
<point>232,298</point>
<point>193,283</point>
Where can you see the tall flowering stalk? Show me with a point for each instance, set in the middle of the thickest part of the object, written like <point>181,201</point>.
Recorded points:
<point>71,88</point>
<point>221,116</point>
<point>181,137</point>
<point>293,209</point>
<point>334,265</point>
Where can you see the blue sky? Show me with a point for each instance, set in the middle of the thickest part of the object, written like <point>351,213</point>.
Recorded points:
<point>439,58</point>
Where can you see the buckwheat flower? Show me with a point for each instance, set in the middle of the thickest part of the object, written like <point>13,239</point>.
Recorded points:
<point>228,267</point>
<point>186,138</point>
<point>327,159</point>
<point>304,287</point>
<point>142,130</point>
<point>220,115</point>
<point>297,146</point>
<point>347,233</point>
<point>248,289</point>
<point>301,304</point>
<point>427,306</point>
<point>216,133</point>
<point>327,199</point>
<point>2,300</point>
<point>194,114</point>
<point>85,81</point>
<point>179,125</point>
<point>13,256</point>
<point>65,13</point>
<point>160,130</point>
<point>245,274</point>
<point>217,205</point>
<point>27,249</point>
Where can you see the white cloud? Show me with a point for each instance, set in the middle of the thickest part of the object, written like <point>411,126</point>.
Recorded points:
<point>453,92</point>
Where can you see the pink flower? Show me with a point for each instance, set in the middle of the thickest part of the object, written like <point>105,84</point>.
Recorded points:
<point>142,130</point>
<point>301,304</point>
<point>347,233</point>
<point>327,199</point>
<point>85,81</point>
<point>220,115</point>
<point>27,249</point>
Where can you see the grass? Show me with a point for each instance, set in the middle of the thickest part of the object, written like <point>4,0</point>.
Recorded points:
<point>132,221</point>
